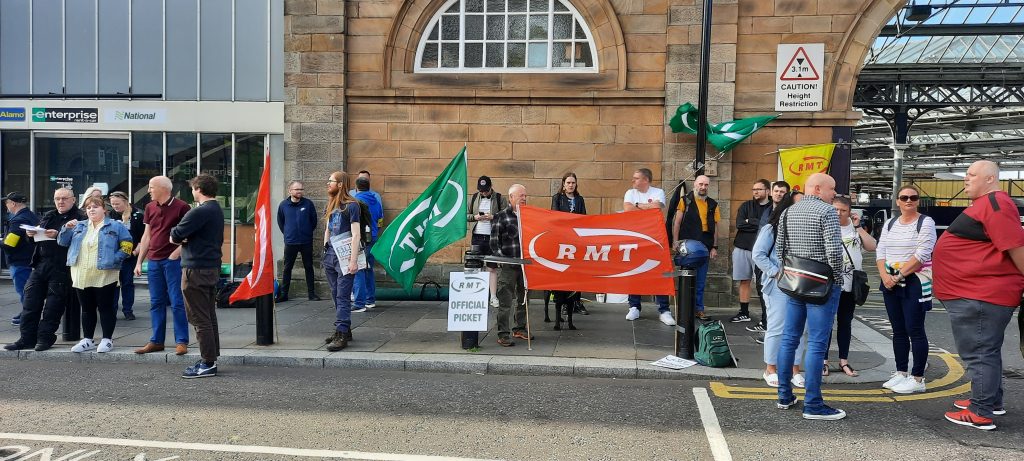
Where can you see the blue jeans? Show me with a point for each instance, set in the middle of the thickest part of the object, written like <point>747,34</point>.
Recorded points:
<point>164,278</point>
<point>979,328</point>
<point>20,275</point>
<point>127,279</point>
<point>662,300</point>
<point>702,278</point>
<point>906,315</point>
<point>775,302</point>
<point>341,291</point>
<point>818,318</point>
<point>365,282</point>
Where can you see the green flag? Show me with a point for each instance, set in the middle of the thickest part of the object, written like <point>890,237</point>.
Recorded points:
<point>685,120</point>
<point>725,136</point>
<point>436,219</point>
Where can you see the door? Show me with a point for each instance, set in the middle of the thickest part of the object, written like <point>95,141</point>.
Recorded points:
<point>79,161</point>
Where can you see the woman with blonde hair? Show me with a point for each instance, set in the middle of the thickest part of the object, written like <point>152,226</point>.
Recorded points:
<point>342,216</point>
<point>96,249</point>
<point>131,217</point>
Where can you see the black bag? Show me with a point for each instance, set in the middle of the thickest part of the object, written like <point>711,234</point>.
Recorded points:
<point>860,287</point>
<point>801,278</point>
<point>365,223</point>
<point>224,297</point>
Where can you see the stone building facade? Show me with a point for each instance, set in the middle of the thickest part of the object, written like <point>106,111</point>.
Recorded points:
<point>355,101</point>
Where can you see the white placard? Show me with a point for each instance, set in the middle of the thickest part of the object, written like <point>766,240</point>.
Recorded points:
<point>799,77</point>
<point>468,301</point>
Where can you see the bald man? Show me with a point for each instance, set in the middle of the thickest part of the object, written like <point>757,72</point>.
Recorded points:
<point>511,284</point>
<point>163,270</point>
<point>810,229</point>
<point>696,218</point>
<point>978,266</point>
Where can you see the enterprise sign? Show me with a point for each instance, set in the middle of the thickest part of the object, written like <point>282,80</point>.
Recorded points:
<point>65,115</point>
<point>12,114</point>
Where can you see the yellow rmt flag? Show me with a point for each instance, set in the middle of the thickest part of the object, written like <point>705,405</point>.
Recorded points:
<point>800,162</point>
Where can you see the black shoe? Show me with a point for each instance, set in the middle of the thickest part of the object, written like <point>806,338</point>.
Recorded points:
<point>580,309</point>
<point>756,328</point>
<point>314,298</point>
<point>347,335</point>
<point>280,299</point>
<point>43,346</point>
<point>17,345</point>
<point>129,316</point>
<point>741,317</point>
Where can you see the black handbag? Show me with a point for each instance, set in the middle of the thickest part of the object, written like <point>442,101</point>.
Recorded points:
<point>801,278</point>
<point>860,283</point>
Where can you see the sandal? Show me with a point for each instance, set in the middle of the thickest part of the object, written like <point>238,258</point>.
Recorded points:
<point>849,370</point>
<point>824,369</point>
<point>771,380</point>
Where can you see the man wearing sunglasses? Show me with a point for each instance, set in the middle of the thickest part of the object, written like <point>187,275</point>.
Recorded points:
<point>979,262</point>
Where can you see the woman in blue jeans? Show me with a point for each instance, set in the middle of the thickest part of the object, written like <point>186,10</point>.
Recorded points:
<point>904,256</point>
<point>131,217</point>
<point>766,257</point>
<point>342,217</point>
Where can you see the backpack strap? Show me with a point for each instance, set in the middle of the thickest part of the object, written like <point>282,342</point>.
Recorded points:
<point>992,200</point>
<point>892,221</point>
<point>920,222</point>
<point>472,202</point>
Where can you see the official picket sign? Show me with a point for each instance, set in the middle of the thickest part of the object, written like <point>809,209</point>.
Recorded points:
<point>799,77</point>
<point>467,301</point>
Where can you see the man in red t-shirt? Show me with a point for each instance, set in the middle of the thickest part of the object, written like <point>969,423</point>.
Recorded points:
<point>164,267</point>
<point>978,268</point>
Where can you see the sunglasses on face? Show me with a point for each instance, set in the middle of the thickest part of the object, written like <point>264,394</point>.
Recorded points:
<point>909,198</point>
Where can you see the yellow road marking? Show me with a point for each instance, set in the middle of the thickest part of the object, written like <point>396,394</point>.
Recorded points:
<point>954,372</point>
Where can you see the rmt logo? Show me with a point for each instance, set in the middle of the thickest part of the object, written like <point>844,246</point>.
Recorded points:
<point>616,249</point>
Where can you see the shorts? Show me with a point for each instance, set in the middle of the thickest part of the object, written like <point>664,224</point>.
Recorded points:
<point>484,242</point>
<point>742,264</point>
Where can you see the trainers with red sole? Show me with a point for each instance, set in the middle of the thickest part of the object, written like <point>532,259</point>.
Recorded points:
<point>966,403</point>
<point>969,419</point>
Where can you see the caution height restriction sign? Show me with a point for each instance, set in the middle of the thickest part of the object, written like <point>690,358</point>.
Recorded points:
<point>798,77</point>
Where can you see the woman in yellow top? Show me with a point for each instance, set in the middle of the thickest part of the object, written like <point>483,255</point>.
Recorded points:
<point>96,248</point>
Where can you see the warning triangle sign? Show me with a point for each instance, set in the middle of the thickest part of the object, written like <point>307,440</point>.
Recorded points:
<point>800,67</point>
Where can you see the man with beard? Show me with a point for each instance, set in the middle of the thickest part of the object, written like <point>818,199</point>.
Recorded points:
<point>696,218</point>
<point>748,222</point>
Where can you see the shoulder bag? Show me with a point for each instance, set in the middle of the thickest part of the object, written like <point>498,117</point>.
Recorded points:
<point>860,283</point>
<point>802,278</point>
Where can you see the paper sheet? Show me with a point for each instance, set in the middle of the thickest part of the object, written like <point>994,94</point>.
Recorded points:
<point>40,233</point>
<point>342,244</point>
<point>673,362</point>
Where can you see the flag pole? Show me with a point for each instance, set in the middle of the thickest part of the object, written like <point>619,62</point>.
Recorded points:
<point>702,90</point>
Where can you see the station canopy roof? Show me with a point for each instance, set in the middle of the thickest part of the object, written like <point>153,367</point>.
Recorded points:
<point>929,36</point>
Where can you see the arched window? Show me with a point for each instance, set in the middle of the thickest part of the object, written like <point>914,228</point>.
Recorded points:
<point>507,36</point>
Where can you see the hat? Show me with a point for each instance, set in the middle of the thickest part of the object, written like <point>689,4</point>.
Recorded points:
<point>483,184</point>
<point>16,197</point>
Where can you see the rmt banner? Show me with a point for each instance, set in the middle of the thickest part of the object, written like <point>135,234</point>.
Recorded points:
<point>613,253</point>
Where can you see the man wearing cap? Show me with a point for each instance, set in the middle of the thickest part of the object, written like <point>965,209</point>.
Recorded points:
<point>484,204</point>
<point>48,289</point>
<point>17,245</point>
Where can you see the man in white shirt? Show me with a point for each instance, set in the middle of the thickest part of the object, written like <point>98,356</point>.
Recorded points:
<point>644,196</point>
<point>483,205</point>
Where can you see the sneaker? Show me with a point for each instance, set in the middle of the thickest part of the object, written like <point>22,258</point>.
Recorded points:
<point>759,340</point>
<point>741,317</point>
<point>83,345</point>
<point>16,320</point>
<point>785,405</point>
<point>200,370</point>
<point>969,419</point>
<point>633,314</point>
<point>702,316</point>
<point>666,318</point>
<point>505,342</point>
<point>825,413</point>
<point>756,328</point>
<point>371,305</point>
<point>798,380</point>
<point>315,298</point>
<point>966,404</point>
<point>105,345</point>
<point>909,386</point>
<point>897,377</point>
<point>129,316</point>
<point>359,309</point>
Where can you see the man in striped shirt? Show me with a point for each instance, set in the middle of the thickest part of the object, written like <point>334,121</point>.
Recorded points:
<point>810,229</point>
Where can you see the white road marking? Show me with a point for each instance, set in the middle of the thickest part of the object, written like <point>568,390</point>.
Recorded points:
<point>284,451</point>
<point>719,449</point>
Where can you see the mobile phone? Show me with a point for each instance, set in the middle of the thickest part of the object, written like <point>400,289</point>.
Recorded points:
<point>481,213</point>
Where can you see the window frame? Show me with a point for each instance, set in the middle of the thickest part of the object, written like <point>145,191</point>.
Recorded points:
<point>550,41</point>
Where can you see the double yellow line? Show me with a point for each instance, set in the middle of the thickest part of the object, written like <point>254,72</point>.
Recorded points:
<point>953,374</point>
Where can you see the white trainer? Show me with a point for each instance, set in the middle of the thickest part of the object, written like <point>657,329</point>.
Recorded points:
<point>371,305</point>
<point>494,301</point>
<point>798,380</point>
<point>633,314</point>
<point>909,385</point>
<point>83,345</point>
<point>897,377</point>
<point>666,318</point>
<point>105,345</point>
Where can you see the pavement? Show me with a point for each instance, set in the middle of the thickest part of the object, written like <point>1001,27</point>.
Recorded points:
<point>412,336</point>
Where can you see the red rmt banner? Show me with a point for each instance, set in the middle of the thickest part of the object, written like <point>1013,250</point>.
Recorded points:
<point>613,253</point>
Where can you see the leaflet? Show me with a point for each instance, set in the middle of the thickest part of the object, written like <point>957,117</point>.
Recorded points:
<point>40,232</point>
<point>342,244</point>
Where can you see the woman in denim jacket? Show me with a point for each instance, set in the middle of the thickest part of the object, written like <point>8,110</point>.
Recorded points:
<point>96,248</point>
<point>767,258</point>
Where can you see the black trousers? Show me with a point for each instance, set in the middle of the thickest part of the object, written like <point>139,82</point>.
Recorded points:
<point>290,252</point>
<point>98,299</point>
<point>47,294</point>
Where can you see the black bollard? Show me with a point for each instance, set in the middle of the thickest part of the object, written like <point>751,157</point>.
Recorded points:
<point>72,322</point>
<point>265,320</point>
<point>686,300</point>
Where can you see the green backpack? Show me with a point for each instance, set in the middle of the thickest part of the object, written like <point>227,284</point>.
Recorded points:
<point>712,345</point>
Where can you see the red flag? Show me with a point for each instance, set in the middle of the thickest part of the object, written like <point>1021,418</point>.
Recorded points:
<point>260,280</point>
<point>613,253</point>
